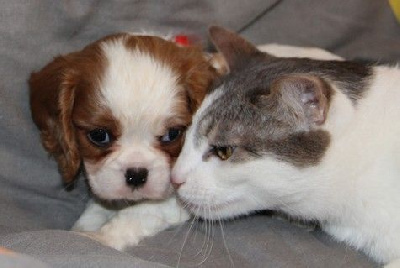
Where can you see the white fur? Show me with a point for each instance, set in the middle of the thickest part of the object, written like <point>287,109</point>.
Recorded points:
<point>279,50</point>
<point>354,192</point>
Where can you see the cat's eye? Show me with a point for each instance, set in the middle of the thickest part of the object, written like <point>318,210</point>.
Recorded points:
<point>171,135</point>
<point>222,152</point>
<point>100,137</point>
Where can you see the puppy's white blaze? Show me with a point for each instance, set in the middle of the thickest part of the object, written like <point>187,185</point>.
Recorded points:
<point>139,89</point>
<point>165,36</point>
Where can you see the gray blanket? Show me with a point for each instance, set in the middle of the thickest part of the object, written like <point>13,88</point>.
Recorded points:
<point>35,211</point>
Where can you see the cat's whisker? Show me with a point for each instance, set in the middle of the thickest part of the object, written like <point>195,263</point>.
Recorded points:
<point>206,225</point>
<point>209,235</point>
<point>211,240</point>
<point>200,251</point>
<point>196,231</point>
<point>185,240</point>
<point>179,228</point>
<point>205,228</point>
<point>224,241</point>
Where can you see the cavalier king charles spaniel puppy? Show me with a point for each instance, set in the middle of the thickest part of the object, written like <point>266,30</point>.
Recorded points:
<point>117,111</point>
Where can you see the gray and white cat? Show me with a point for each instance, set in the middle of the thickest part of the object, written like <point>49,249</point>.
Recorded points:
<point>318,140</point>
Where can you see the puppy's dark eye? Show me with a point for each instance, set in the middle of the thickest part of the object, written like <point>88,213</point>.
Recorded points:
<point>171,135</point>
<point>223,153</point>
<point>99,137</point>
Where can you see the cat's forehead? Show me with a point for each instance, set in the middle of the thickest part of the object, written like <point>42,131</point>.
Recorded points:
<point>228,110</point>
<point>259,71</point>
<point>231,119</point>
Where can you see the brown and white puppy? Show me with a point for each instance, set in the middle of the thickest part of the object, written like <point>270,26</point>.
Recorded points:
<point>117,110</point>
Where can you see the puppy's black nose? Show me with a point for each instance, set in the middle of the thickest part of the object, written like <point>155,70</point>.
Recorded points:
<point>136,177</point>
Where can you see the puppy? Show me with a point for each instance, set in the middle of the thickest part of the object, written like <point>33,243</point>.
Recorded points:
<point>117,111</point>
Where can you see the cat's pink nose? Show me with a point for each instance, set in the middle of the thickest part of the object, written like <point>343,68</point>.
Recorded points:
<point>176,185</point>
<point>176,182</point>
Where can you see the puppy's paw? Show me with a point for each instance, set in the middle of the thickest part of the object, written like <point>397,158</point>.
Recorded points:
<point>80,226</point>
<point>112,236</point>
<point>97,236</point>
<point>110,240</point>
<point>85,225</point>
<point>93,218</point>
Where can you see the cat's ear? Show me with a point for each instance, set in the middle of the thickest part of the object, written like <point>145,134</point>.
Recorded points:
<point>232,46</point>
<point>304,99</point>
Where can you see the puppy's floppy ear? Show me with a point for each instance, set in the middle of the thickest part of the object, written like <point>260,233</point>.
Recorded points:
<point>232,46</point>
<point>199,76</point>
<point>52,92</point>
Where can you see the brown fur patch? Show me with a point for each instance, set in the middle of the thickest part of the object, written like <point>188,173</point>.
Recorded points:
<point>67,82</point>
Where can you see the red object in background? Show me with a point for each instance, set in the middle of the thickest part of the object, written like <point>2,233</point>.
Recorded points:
<point>182,40</point>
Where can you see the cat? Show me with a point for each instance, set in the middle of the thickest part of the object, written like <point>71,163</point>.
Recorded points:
<point>317,140</point>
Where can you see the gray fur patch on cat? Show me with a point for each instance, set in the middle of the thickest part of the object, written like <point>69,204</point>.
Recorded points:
<point>273,106</point>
